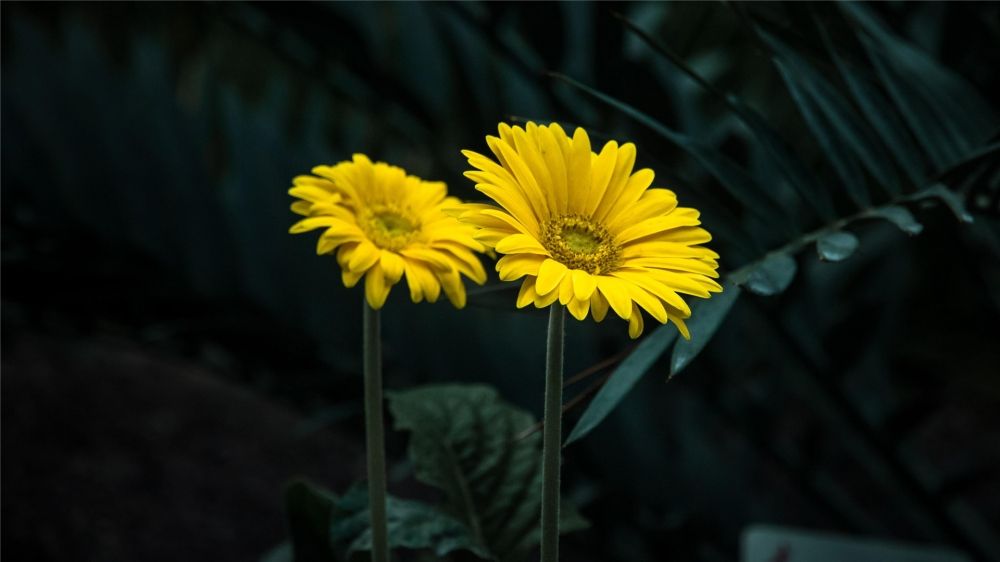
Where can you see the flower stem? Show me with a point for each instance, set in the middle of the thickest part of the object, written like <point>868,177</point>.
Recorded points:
<point>552,434</point>
<point>375,434</point>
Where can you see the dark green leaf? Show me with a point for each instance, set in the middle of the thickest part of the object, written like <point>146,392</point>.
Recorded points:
<point>623,379</point>
<point>836,246</point>
<point>706,317</point>
<point>771,276</point>
<point>310,514</point>
<point>411,524</point>
<point>468,442</point>
<point>901,217</point>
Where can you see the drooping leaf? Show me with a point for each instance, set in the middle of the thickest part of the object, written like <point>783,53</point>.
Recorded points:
<point>623,379</point>
<point>836,246</point>
<point>706,317</point>
<point>901,217</point>
<point>468,442</point>
<point>771,276</point>
<point>411,524</point>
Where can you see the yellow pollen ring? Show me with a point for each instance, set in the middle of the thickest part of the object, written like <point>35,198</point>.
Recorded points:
<point>580,243</point>
<point>388,228</point>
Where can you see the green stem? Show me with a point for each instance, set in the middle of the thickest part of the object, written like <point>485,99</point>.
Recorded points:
<point>375,434</point>
<point>552,434</point>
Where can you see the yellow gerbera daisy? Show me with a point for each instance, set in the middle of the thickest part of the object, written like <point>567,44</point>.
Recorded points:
<point>582,228</point>
<point>385,224</point>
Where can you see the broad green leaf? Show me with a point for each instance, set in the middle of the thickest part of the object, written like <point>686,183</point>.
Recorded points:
<point>736,180</point>
<point>706,317</point>
<point>771,276</point>
<point>836,246</point>
<point>840,117</point>
<point>901,217</point>
<point>411,524</point>
<point>623,379</point>
<point>467,442</point>
<point>310,514</point>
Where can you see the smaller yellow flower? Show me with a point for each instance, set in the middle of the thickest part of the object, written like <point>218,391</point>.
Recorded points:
<point>384,224</point>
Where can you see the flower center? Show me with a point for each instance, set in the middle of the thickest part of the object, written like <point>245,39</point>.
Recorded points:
<point>388,227</point>
<point>579,243</point>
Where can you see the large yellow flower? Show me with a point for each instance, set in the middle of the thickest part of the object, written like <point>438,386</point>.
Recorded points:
<point>385,224</point>
<point>584,229</point>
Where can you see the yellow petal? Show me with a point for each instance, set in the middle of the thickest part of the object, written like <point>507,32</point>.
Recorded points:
<point>645,280</point>
<point>516,266</point>
<point>584,284</point>
<point>578,308</point>
<point>513,202</point>
<point>578,171</point>
<point>619,179</point>
<point>557,169</point>
<point>350,278</point>
<point>602,168</point>
<point>453,287</point>
<point>566,289</point>
<point>681,327</point>
<point>550,274</point>
<point>634,189</point>
<point>526,295</point>
<point>615,291</point>
<point>598,306</point>
<point>653,203</point>
<point>312,223</point>
<point>520,244</point>
<point>393,266</point>
<point>437,260</point>
<point>542,301</point>
<point>376,288</point>
<point>635,323</point>
<point>654,225</point>
<point>648,302</point>
<point>364,256</point>
<point>422,283</point>
<point>527,181</point>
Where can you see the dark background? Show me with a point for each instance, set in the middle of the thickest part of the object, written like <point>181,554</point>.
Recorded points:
<point>171,355</point>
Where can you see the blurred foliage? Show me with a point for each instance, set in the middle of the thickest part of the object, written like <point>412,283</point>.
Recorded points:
<point>859,394</point>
